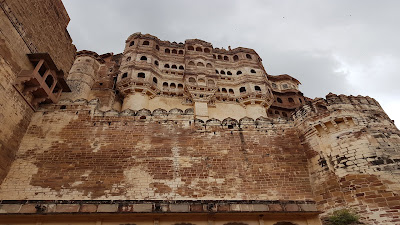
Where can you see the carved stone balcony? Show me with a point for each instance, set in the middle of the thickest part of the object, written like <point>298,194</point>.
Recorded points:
<point>131,85</point>
<point>44,83</point>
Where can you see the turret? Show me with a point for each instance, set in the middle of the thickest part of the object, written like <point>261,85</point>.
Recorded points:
<point>83,74</point>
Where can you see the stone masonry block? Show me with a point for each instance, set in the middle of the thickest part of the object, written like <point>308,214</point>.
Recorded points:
<point>235,207</point>
<point>292,207</point>
<point>260,207</point>
<point>246,207</point>
<point>88,208</point>
<point>143,207</point>
<point>275,207</point>
<point>10,208</point>
<point>67,208</point>
<point>197,208</point>
<point>107,208</point>
<point>179,208</point>
<point>28,208</point>
<point>223,208</point>
<point>51,208</point>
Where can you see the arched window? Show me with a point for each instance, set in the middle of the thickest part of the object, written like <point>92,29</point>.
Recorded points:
<point>49,80</point>
<point>191,48</point>
<point>252,71</point>
<point>209,65</point>
<point>155,80</point>
<point>235,58</point>
<point>207,50</point>
<point>231,91</point>
<point>201,80</point>
<point>238,72</point>
<point>248,56</point>
<point>211,83</point>
<point>143,58</point>
<point>191,63</point>
<point>172,85</point>
<point>165,85</point>
<point>125,75</point>
<point>214,56</point>
<point>257,88</point>
<point>224,90</point>
<point>156,63</point>
<point>200,64</point>
<point>141,75</point>
<point>180,86</point>
<point>174,51</point>
<point>290,100</point>
<point>157,48</point>
<point>167,50</point>
<point>128,59</point>
<point>229,73</point>
<point>174,67</point>
<point>279,100</point>
<point>284,114</point>
<point>192,80</point>
<point>219,57</point>
<point>242,89</point>
<point>180,52</point>
<point>146,43</point>
<point>226,58</point>
<point>222,72</point>
<point>131,43</point>
<point>216,71</point>
<point>199,49</point>
<point>274,85</point>
<point>277,112</point>
<point>181,68</point>
<point>166,66</point>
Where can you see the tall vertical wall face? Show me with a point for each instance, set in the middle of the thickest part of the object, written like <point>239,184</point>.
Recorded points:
<point>354,153</point>
<point>28,27</point>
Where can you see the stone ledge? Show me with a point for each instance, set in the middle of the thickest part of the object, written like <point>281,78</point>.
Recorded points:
<point>57,207</point>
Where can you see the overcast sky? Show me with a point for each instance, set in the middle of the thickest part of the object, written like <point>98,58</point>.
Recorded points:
<point>339,46</point>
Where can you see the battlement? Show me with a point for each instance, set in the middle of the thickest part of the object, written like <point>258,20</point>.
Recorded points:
<point>90,54</point>
<point>92,108</point>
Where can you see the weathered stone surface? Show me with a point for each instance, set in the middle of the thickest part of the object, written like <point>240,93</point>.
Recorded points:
<point>88,208</point>
<point>28,208</point>
<point>142,207</point>
<point>308,207</point>
<point>197,208</point>
<point>275,207</point>
<point>10,208</point>
<point>67,208</point>
<point>107,208</point>
<point>179,208</point>
<point>260,207</point>
<point>292,207</point>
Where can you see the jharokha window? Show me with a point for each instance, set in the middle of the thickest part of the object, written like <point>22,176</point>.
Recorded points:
<point>44,83</point>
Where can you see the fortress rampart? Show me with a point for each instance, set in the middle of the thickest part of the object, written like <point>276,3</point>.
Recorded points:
<point>181,133</point>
